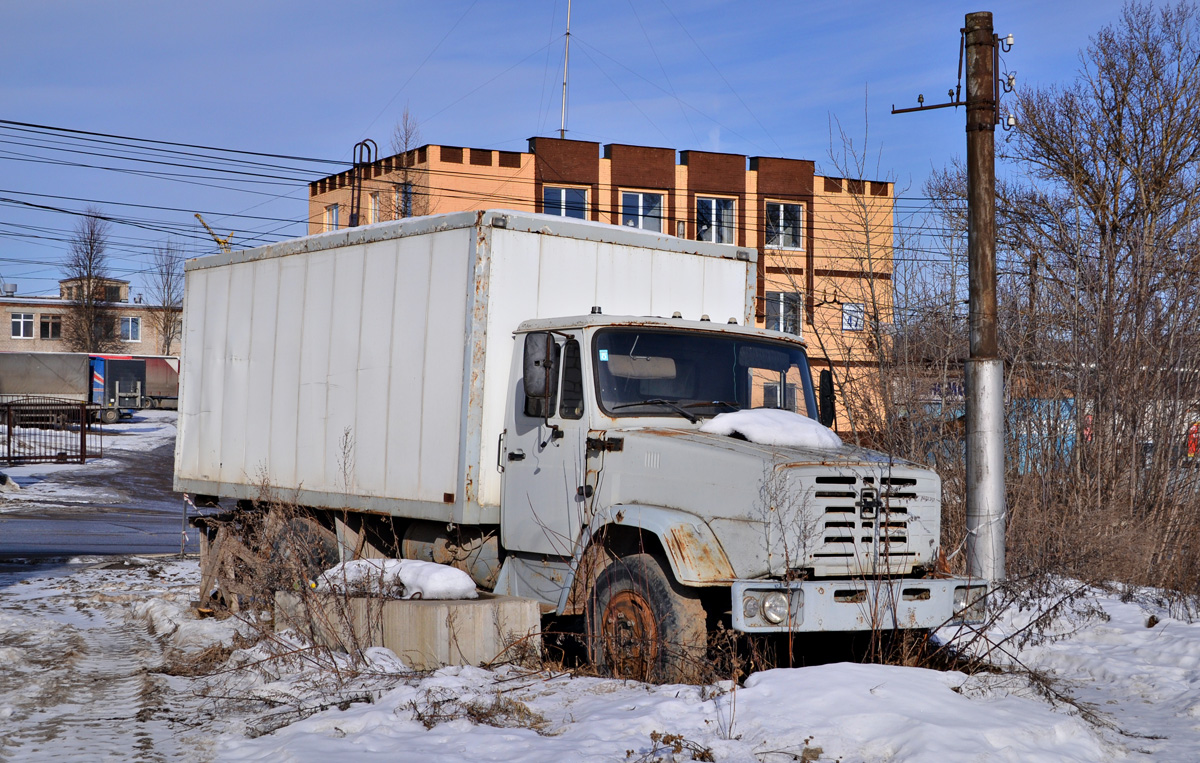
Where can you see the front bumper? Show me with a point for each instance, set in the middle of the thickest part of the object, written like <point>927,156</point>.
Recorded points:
<point>809,606</point>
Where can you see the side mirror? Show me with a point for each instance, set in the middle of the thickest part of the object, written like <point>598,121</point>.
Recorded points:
<point>825,398</point>
<point>540,374</point>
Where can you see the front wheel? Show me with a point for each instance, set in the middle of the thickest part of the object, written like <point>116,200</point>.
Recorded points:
<point>644,626</point>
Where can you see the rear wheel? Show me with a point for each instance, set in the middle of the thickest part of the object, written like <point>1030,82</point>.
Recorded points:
<point>110,415</point>
<point>642,625</point>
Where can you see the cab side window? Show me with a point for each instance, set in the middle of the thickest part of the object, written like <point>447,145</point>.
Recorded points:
<point>572,381</point>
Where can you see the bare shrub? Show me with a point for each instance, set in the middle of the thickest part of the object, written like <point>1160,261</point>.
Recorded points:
<point>666,747</point>
<point>439,705</point>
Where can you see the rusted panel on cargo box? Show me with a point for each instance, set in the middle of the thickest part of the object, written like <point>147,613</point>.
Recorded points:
<point>692,553</point>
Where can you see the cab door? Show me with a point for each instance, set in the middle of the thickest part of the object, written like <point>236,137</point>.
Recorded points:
<point>543,499</point>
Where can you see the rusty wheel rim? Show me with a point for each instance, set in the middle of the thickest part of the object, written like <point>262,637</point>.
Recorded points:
<point>630,635</point>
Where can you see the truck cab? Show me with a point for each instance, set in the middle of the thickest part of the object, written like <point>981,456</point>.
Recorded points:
<point>618,446</point>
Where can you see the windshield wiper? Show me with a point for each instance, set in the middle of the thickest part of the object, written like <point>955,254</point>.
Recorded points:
<point>707,403</point>
<point>658,401</point>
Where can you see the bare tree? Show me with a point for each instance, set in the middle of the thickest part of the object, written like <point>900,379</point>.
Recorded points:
<point>1102,228</point>
<point>852,317</point>
<point>407,188</point>
<point>90,323</point>
<point>1099,300</point>
<point>165,286</point>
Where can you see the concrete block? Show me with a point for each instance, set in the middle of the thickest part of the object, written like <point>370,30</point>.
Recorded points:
<point>424,633</point>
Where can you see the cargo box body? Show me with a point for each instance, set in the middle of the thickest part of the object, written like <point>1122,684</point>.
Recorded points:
<point>369,369</point>
<point>63,375</point>
<point>162,376</point>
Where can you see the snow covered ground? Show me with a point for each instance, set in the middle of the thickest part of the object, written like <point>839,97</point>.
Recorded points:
<point>93,655</point>
<point>84,655</point>
<point>146,431</point>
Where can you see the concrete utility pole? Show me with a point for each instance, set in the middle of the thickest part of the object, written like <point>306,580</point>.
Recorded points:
<point>986,515</point>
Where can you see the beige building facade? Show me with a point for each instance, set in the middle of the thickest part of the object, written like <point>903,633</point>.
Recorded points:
<point>824,243</point>
<point>36,323</point>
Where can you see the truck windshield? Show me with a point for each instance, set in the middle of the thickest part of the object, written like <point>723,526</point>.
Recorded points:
<point>657,372</point>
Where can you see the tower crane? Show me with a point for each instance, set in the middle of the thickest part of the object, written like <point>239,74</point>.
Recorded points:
<point>221,242</point>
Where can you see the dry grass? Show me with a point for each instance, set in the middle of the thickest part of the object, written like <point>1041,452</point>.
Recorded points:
<point>439,705</point>
<point>665,748</point>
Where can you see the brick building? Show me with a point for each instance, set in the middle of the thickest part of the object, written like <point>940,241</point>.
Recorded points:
<point>824,243</point>
<point>37,322</point>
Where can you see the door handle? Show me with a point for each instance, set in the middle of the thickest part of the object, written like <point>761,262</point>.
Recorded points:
<point>516,455</point>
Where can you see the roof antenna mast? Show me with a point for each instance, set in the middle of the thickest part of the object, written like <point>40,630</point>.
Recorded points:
<point>562,130</point>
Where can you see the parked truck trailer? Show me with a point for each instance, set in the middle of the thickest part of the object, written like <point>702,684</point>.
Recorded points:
<point>117,385</point>
<point>526,397</point>
<point>62,375</point>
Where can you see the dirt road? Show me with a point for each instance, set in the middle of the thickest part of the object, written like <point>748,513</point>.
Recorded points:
<point>123,506</point>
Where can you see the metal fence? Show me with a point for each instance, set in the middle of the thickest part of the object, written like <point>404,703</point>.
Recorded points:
<point>49,430</point>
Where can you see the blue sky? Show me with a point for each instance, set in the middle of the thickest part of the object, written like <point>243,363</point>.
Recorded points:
<point>310,79</point>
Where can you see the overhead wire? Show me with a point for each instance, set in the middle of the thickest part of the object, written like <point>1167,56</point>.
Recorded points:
<point>721,74</point>
<point>172,143</point>
<point>663,69</point>
<point>420,66</point>
<point>903,204</point>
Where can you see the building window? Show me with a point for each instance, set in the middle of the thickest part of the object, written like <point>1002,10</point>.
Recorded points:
<point>785,225</point>
<point>771,396</point>
<point>714,220</point>
<point>373,211</point>
<point>402,200</point>
<point>22,325</point>
<point>331,217</point>
<point>51,327</point>
<point>565,202</point>
<point>783,311</point>
<point>112,293</point>
<point>854,316</point>
<point>131,329</point>
<point>642,210</point>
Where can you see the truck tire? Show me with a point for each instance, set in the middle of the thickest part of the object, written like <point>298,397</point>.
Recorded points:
<point>644,626</point>
<point>110,415</point>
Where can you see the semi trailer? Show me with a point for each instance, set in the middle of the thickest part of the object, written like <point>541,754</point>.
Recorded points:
<point>117,385</point>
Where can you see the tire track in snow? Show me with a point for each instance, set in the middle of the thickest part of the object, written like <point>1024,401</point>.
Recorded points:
<point>86,689</point>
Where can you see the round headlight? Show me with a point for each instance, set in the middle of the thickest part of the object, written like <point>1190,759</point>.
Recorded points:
<point>775,607</point>
<point>749,607</point>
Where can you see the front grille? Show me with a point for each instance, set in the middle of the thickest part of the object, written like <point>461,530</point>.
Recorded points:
<point>865,524</point>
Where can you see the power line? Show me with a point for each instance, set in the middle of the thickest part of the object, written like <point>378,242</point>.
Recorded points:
<point>172,143</point>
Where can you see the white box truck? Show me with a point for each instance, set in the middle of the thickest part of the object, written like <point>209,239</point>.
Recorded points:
<point>527,397</point>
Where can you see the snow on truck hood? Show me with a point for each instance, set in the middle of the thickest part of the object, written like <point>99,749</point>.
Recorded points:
<point>772,426</point>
